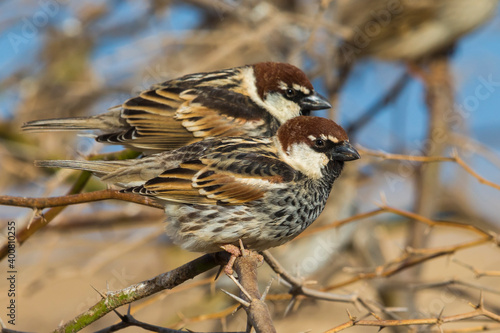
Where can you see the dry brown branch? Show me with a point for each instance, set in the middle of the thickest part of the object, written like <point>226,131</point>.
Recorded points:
<point>340,223</point>
<point>472,172</point>
<point>183,320</point>
<point>481,328</point>
<point>430,159</point>
<point>129,321</point>
<point>439,284</point>
<point>297,285</point>
<point>74,199</point>
<point>477,272</point>
<point>411,158</point>
<point>39,222</point>
<point>412,257</point>
<point>390,96</point>
<point>433,223</point>
<point>258,313</point>
<point>388,269</point>
<point>114,299</point>
<point>60,203</point>
<point>439,321</point>
<point>210,316</point>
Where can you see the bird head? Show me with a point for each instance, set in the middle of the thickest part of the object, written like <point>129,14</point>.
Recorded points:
<point>285,91</point>
<point>314,145</point>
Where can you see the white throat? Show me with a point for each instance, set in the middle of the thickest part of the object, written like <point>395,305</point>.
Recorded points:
<point>302,158</point>
<point>277,105</point>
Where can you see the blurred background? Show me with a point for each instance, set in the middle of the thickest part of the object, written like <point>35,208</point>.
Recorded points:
<point>405,77</point>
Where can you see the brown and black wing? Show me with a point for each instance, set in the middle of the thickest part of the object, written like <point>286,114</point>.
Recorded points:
<point>168,117</point>
<point>233,173</point>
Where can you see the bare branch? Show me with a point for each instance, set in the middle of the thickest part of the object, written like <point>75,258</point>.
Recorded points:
<point>480,312</point>
<point>74,199</point>
<point>168,280</point>
<point>430,159</point>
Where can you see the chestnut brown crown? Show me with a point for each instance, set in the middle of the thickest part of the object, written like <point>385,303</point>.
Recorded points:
<point>269,75</point>
<point>304,128</point>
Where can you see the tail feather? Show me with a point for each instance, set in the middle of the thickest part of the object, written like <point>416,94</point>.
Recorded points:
<point>124,173</point>
<point>62,124</point>
<point>107,122</point>
<point>99,168</point>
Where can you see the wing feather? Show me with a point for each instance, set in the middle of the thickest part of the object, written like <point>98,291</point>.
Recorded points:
<point>168,117</point>
<point>223,176</point>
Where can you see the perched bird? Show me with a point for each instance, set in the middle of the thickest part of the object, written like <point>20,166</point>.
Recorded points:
<point>252,100</point>
<point>263,191</point>
<point>407,29</point>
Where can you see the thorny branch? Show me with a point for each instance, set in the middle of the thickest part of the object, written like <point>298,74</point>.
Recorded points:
<point>59,203</point>
<point>412,257</point>
<point>431,159</point>
<point>479,311</point>
<point>258,313</point>
<point>114,299</point>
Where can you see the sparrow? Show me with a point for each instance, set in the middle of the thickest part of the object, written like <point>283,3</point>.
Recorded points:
<point>407,29</point>
<point>252,100</point>
<point>262,191</point>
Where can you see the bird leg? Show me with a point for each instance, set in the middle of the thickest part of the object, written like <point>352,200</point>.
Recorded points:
<point>235,252</point>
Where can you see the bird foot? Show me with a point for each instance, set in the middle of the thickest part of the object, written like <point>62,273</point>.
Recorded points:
<point>236,252</point>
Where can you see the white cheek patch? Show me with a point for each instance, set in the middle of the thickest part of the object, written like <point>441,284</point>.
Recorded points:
<point>306,160</point>
<point>281,108</point>
<point>278,106</point>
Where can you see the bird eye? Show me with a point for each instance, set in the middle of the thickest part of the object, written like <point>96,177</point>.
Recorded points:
<point>319,143</point>
<point>290,93</point>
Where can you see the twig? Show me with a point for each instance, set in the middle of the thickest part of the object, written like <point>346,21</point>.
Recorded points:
<point>62,202</point>
<point>74,199</point>
<point>411,158</point>
<point>257,310</point>
<point>477,272</point>
<point>42,221</point>
<point>211,316</point>
<point>413,257</point>
<point>297,284</point>
<point>430,159</point>
<point>340,223</point>
<point>168,280</point>
<point>472,172</point>
<point>368,115</point>
<point>480,312</point>
<point>128,321</point>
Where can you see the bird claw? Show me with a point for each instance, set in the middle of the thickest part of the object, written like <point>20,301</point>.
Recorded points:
<point>236,252</point>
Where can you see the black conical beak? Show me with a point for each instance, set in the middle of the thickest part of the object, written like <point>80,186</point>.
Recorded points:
<point>314,102</point>
<point>345,152</point>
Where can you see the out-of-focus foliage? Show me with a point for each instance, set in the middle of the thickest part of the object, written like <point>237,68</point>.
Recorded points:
<point>62,58</point>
